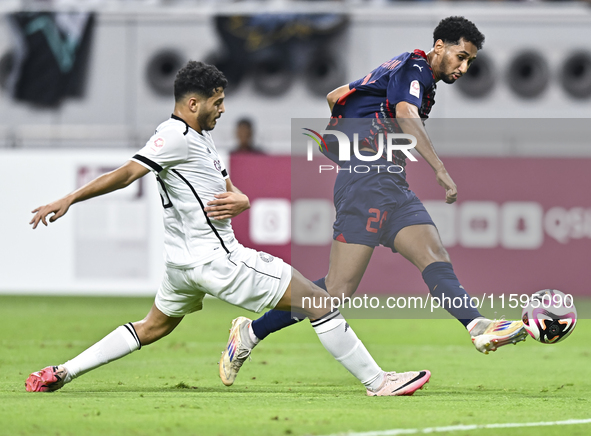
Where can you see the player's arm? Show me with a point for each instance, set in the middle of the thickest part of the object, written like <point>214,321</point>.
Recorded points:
<point>408,118</point>
<point>117,179</point>
<point>228,204</point>
<point>335,94</point>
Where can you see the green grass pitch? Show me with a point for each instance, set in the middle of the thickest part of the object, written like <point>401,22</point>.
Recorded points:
<point>292,386</point>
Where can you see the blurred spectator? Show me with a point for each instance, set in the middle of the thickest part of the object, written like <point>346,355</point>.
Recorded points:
<point>245,137</point>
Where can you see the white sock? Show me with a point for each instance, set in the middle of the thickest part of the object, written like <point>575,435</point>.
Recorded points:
<point>473,323</point>
<point>252,336</point>
<point>120,342</point>
<point>341,341</point>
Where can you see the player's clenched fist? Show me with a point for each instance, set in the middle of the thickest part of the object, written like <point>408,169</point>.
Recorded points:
<point>446,182</point>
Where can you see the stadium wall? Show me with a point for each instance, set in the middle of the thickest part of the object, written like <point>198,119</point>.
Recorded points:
<point>121,108</point>
<point>521,224</point>
<point>110,245</point>
<point>114,245</point>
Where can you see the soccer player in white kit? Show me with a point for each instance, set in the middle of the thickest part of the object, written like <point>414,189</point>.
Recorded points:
<point>202,254</point>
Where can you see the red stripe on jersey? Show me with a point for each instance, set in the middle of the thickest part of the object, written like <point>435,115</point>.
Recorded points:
<point>422,54</point>
<point>391,67</point>
<point>341,101</point>
<point>389,109</point>
<point>340,238</point>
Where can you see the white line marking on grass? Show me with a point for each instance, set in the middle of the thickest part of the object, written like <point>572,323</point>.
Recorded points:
<point>399,431</point>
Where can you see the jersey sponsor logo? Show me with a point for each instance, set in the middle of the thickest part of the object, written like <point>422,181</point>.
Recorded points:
<point>419,67</point>
<point>415,88</point>
<point>266,257</point>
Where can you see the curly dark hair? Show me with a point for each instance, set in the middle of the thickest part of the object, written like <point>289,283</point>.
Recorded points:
<point>199,78</point>
<point>452,29</point>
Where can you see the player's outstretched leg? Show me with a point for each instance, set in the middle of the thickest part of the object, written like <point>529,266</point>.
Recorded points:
<point>49,379</point>
<point>422,246</point>
<point>238,349</point>
<point>274,320</point>
<point>405,383</point>
<point>337,337</point>
<point>346,268</point>
<point>488,335</point>
<point>122,341</point>
<point>245,334</point>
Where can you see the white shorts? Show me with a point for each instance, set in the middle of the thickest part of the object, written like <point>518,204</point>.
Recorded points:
<point>245,277</point>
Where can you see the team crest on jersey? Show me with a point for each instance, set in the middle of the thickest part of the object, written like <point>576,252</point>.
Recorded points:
<point>266,257</point>
<point>217,165</point>
<point>415,88</point>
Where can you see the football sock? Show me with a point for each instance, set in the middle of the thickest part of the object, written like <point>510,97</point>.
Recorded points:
<point>444,285</point>
<point>120,342</point>
<point>478,326</point>
<point>321,283</point>
<point>275,320</point>
<point>341,341</point>
<point>247,336</point>
<point>272,321</point>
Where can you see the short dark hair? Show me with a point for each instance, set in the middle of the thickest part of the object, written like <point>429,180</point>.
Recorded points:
<point>452,29</point>
<point>199,78</point>
<point>244,122</point>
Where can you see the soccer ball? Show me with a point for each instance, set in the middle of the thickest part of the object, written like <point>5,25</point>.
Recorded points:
<point>550,316</point>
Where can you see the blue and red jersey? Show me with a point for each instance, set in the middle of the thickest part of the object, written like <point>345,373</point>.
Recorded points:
<point>407,77</point>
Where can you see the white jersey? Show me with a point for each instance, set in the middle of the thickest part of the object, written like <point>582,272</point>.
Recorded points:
<point>189,173</point>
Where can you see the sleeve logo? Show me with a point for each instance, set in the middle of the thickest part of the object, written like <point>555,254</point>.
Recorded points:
<point>266,257</point>
<point>415,88</point>
<point>158,142</point>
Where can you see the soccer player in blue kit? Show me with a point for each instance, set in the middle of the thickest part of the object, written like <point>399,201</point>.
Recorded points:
<point>378,207</point>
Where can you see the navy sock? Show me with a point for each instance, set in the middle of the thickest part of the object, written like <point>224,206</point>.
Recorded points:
<point>275,320</point>
<point>444,285</point>
<point>321,283</point>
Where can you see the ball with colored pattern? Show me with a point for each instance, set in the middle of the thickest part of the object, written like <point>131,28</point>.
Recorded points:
<point>550,316</point>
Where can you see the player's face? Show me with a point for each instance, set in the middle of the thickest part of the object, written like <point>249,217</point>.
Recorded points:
<point>455,60</point>
<point>211,109</point>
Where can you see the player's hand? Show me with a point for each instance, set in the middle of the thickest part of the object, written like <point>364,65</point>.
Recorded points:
<point>445,181</point>
<point>58,208</point>
<point>227,205</point>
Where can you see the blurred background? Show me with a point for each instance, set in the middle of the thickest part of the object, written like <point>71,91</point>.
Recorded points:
<point>84,83</point>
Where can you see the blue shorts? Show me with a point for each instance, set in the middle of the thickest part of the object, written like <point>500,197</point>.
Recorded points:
<point>372,208</point>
